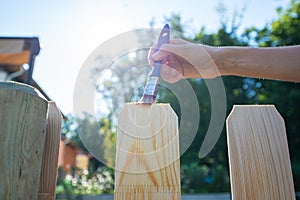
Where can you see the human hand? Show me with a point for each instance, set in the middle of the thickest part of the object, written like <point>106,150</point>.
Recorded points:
<point>183,59</point>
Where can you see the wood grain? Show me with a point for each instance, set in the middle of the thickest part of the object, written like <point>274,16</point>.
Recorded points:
<point>22,134</point>
<point>147,158</point>
<point>258,154</point>
<point>48,175</point>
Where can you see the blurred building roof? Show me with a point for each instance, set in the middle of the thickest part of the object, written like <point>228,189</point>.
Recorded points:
<point>17,57</point>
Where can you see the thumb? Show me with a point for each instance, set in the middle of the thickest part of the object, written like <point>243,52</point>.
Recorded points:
<point>164,51</point>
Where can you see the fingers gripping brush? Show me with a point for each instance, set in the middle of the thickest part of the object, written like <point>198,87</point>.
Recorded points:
<point>151,87</point>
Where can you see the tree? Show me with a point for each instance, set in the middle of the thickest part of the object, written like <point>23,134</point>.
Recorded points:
<point>283,31</point>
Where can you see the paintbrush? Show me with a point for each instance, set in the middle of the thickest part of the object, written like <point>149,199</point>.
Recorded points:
<point>151,87</point>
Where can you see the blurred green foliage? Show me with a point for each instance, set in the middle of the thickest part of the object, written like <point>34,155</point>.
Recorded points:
<point>84,182</point>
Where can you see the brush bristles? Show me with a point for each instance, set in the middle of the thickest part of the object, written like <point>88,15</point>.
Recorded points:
<point>148,99</point>
<point>151,90</point>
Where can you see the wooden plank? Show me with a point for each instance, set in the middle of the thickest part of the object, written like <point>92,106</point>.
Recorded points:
<point>147,157</point>
<point>48,175</point>
<point>258,154</point>
<point>22,134</point>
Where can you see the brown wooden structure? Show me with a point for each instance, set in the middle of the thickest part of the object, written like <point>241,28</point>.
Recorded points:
<point>29,141</point>
<point>258,154</point>
<point>147,157</point>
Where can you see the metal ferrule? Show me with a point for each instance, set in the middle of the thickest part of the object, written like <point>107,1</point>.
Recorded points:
<point>151,85</point>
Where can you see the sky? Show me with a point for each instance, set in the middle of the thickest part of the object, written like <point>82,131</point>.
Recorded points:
<point>70,30</point>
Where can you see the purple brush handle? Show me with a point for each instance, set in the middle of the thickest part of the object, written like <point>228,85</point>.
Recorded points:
<point>163,38</point>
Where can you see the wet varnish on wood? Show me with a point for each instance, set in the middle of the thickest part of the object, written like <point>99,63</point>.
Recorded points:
<point>147,157</point>
<point>258,154</point>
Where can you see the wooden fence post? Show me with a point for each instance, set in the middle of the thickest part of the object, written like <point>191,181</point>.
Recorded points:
<point>48,175</point>
<point>258,154</point>
<point>22,134</point>
<point>147,157</point>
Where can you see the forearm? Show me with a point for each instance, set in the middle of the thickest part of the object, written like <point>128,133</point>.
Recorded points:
<point>282,63</point>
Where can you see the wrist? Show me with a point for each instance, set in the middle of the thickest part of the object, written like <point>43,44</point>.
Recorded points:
<point>218,55</point>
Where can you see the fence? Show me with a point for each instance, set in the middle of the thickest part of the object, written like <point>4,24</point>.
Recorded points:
<point>258,152</point>
<point>147,142</point>
<point>29,142</point>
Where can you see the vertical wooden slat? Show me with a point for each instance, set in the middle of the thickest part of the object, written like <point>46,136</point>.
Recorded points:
<point>50,155</point>
<point>22,134</point>
<point>258,154</point>
<point>147,157</point>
